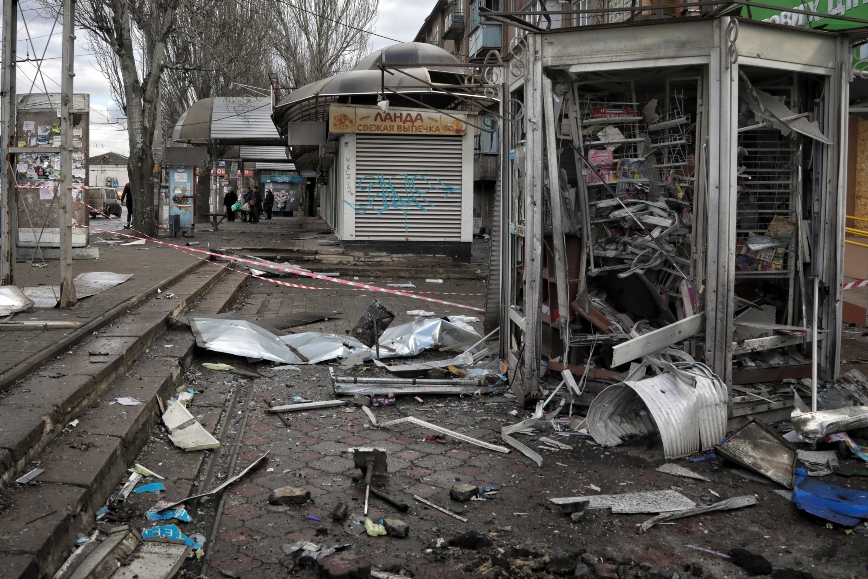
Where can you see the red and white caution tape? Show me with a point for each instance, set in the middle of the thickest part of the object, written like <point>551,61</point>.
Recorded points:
<point>361,286</point>
<point>852,284</point>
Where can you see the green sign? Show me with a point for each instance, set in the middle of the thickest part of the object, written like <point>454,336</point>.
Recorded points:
<point>819,10</point>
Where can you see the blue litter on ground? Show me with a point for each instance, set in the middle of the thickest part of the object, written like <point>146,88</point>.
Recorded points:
<point>180,514</point>
<point>170,533</point>
<point>711,456</point>
<point>834,503</point>
<point>312,518</point>
<point>150,488</point>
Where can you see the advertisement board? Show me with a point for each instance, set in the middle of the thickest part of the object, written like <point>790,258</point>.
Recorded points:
<point>181,195</point>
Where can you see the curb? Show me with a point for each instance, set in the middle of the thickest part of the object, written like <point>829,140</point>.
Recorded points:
<point>40,358</point>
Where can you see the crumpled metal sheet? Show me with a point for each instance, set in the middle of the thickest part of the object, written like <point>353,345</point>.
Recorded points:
<point>241,338</point>
<point>759,448</point>
<point>318,347</point>
<point>812,426</point>
<point>406,340</point>
<point>766,107</point>
<point>689,417</point>
<point>13,300</point>
<point>630,503</point>
<point>412,338</point>
<point>86,285</point>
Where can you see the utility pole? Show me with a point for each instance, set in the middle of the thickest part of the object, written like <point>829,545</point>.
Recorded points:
<point>8,201</point>
<point>67,287</point>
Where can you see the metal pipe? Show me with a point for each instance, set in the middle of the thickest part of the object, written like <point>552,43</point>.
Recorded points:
<point>814,344</point>
<point>411,381</point>
<point>67,287</point>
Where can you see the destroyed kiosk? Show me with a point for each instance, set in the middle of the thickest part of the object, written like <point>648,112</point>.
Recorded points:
<point>673,209</point>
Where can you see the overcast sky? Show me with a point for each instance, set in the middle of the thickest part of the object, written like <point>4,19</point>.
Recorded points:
<point>398,19</point>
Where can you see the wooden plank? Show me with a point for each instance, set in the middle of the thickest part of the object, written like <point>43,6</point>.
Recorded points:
<point>556,204</point>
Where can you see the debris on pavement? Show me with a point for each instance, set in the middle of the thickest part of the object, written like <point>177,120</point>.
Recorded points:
<point>241,338</point>
<point>396,528</point>
<point>372,324</point>
<point>13,300</point>
<point>217,489</point>
<point>859,450</point>
<point>759,448</point>
<point>101,559</point>
<point>218,367</point>
<point>688,406</point>
<point>812,426</point>
<point>180,514</point>
<point>303,406</point>
<point>154,560</point>
<point>834,503</point>
<point>439,508</point>
<point>371,461</point>
<point>463,492</point>
<point>185,432</point>
<point>289,496</point>
<point>446,431</point>
<point>126,401</point>
<point>374,529</point>
<point>169,533</point>
<point>26,478</point>
<point>676,470</point>
<point>752,563</point>
<point>150,488</point>
<point>627,503</point>
<point>726,505</point>
<point>86,284</point>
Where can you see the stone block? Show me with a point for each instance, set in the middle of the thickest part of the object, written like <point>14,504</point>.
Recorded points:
<point>396,527</point>
<point>22,427</point>
<point>289,496</point>
<point>463,492</point>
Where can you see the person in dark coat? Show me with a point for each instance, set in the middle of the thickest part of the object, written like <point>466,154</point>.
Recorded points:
<point>246,198</point>
<point>229,200</point>
<point>127,199</point>
<point>257,205</point>
<point>268,203</point>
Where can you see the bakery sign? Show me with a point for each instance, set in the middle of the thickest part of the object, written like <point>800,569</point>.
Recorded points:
<point>374,120</point>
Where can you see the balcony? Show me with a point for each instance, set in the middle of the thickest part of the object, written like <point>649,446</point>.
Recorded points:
<point>453,29</point>
<point>486,37</point>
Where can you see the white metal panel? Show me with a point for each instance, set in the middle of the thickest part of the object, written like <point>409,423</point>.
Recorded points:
<point>409,188</point>
<point>242,117</point>
<point>263,153</point>
<point>690,38</point>
<point>786,44</point>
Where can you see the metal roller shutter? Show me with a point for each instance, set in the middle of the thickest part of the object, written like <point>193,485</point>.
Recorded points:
<point>408,188</point>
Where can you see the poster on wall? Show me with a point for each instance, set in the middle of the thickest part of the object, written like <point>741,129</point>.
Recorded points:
<point>181,195</point>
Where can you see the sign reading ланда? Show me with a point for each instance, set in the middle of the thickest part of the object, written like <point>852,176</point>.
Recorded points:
<point>374,120</point>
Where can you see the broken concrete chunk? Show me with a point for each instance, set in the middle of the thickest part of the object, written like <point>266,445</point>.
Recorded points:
<point>345,565</point>
<point>289,496</point>
<point>396,527</point>
<point>341,512</point>
<point>185,431</point>
<point>463,492</point>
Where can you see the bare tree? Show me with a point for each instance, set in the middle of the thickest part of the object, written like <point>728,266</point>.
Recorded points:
<point>129,40</point>
<point>314,39</point>
<point>224,53</point>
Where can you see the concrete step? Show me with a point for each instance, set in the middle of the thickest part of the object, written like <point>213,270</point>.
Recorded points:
<point>84,461</point>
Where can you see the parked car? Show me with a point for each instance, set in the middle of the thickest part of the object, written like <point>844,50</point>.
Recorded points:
<point>104,199</point>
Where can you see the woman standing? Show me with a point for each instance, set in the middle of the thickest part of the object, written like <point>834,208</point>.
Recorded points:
<point>268,203</point>
<point>229,200</point>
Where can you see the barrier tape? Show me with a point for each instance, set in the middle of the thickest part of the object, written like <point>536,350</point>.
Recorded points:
<point>361,286</point>
<point>852,284</point>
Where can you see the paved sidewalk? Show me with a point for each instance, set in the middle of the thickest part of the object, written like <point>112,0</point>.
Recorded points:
<point>149,264</point>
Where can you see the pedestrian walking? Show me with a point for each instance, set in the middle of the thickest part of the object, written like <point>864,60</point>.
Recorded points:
<point>127,199</point>
<point>255,205</point>
<point>246,198</point>
<point>268,203</point>
<point>228,201</point>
